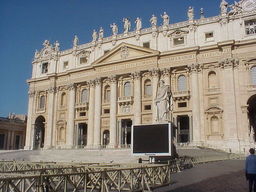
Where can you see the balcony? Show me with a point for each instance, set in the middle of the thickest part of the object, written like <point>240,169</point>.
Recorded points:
<point>181,95</point>
<point>82,106</point>
<point>128,100</point>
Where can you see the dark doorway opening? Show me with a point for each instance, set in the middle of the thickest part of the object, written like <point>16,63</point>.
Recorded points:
<point>2,141</point>
<point>105,138</point>
<point>252,116</point>
<point>126,132</point>
<point>39,132</point>
<point>17,142</point>
<point>82,134</point>
<point>183,128</point>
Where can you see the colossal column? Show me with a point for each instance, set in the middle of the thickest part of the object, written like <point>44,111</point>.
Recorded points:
<point>71,115</point>
<point>97,113</point>
<point>91,115</point>
<point>29,121</point>
<point>137,98</point>
<point>229,102</point>
<point>195,103</point>
<point>155,79</point>
<point>50,115</point>
<point>113,110</point>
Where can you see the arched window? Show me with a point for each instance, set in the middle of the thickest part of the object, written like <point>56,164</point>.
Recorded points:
<point>42,102</point>
<point>147,88</point>
<point>214,125</point>
<point>63,99</point>
<point>212,80</point>
<point>107,94</point>
<point>253,75</point>
<point>127,89</point>
<point>84,96</point>
<point>182,85</point>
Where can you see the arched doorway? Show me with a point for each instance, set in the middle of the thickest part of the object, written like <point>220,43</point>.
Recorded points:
<point>39,132</point>
<point>252,115</point>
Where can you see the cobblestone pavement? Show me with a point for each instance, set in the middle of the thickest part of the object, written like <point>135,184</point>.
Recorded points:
<point>223,176</point>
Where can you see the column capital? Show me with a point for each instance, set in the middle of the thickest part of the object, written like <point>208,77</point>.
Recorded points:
<point>92,83</point>
<point>31,93</point>
<point>194,67</point>
<point>52,90</point>
<point>97,81</point>
<point>71,86</point>
<point>229,63</point>
<point>136,75</point>
<point>155,72</point>
<point>113,79</point>
<point>166,72</point>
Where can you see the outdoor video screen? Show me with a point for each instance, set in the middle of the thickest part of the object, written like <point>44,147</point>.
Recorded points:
<point>151,139</point>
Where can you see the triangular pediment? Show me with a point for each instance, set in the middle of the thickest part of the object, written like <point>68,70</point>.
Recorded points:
<point>125,52</point>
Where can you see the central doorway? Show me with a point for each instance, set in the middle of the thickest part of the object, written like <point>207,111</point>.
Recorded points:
<point>82,134</point>
<point>183,129</point>
<point>39,132</point>
<point>126,125</point>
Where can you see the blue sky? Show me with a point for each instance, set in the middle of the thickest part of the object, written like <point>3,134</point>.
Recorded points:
<point>25,24</point>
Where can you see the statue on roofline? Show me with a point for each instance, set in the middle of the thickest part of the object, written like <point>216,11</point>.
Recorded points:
<point>114,29</point>
<point>138,24</point>
<point>166,19</point>
<point>153,21</point>
<point>127,25</point>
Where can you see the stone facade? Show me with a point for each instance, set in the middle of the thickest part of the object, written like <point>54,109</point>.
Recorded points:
<point>90,95</point>
<point>12,132</point>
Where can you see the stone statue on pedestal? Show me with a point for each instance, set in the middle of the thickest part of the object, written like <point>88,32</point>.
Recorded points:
<point>162,102</point>
<point>138,24</point>
<point>166,19</point>
<point>223,8</point>
<point>153,21</point>
<point>127,25</point>
<point>75,41</point>
<point>94,35</point>
<point>190,13</point>
<point>114,29</point>
<point>101,33</point>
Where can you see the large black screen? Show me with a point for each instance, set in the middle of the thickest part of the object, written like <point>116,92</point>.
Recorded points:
<point>153,139</point>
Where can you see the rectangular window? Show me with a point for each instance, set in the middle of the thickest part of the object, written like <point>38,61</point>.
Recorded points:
<point>209,36</point>
<point>106,111</point>
<point>250,27</point>
<point>178,41</point>
<point>182,104</point>
<point>147,107</point>
<point>82,114</point>
<point>83,60</point>
<point>65,65</point>
<point>146,44</point>
<point>44,68</point>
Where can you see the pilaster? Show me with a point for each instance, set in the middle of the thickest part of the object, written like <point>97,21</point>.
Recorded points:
<point>97,114</point>
<point>196,128</point>
<point>71,115</point>
<point>113,110</point>
<point>50,112</point>
<point>155,80</point>
<point>29,128</point>
<point>137,98</point>
<point>90,130</point>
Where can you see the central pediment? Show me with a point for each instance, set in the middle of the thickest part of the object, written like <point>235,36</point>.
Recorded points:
<point>125,52</point>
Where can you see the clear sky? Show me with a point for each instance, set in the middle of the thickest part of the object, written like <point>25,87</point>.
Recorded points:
<point>25,24</point>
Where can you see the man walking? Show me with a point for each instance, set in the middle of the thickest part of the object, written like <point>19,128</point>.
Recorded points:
<point>250,170</point>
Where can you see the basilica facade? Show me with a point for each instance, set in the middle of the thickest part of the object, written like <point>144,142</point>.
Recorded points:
<point>89,96</point>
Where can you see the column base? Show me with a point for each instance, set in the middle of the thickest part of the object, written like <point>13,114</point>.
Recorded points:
<point>111,146</point>
<point>27,148</point>
<point>69,146</point>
